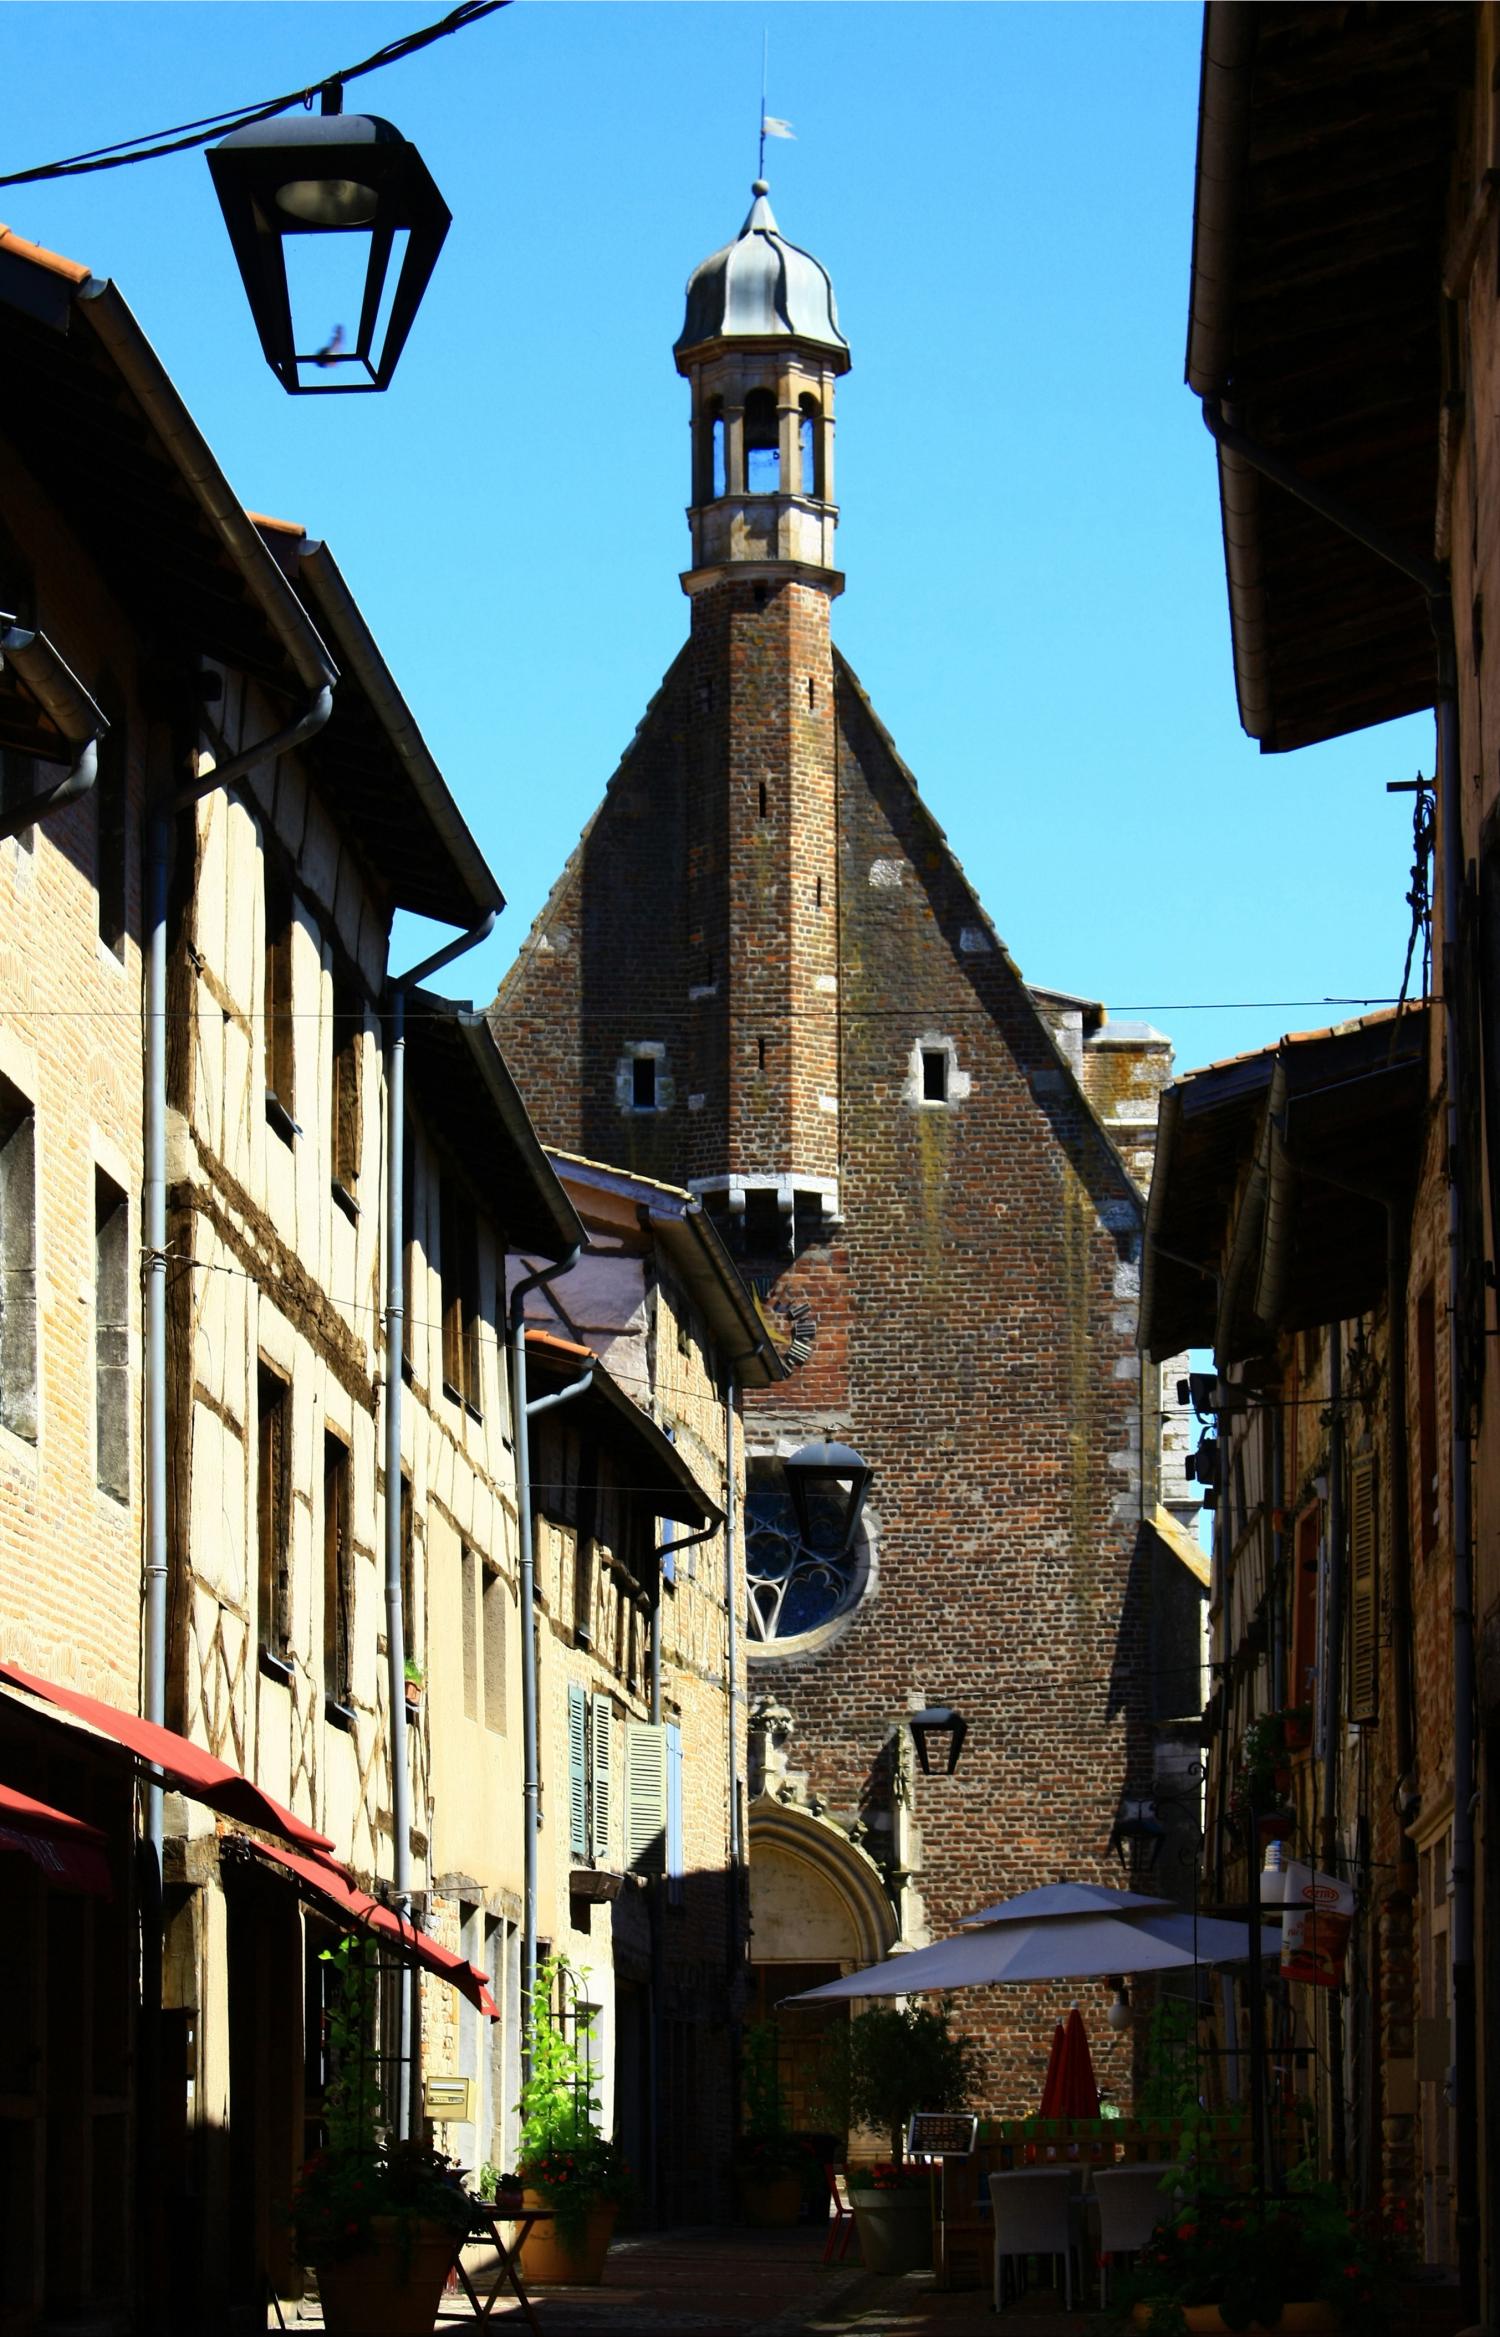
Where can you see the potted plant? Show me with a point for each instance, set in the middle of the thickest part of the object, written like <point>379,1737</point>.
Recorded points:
<point>567,2165</point>
<point>876,2072</point>
<point>1298,2264</point>
<point>379,2221</point>
<point>770,2161</point>
<point>415,1681</point>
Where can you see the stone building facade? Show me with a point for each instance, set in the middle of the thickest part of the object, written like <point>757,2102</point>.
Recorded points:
<point>762,974</point>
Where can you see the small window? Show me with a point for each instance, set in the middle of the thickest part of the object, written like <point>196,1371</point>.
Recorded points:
<point>643,1083</point>
<point>720,471</point>
<point>348,1036</point>
<point>762,444</point>
<point>494,1597</point>
<point>468,1593</point>
<point>275,1517</point>
<point>281,1100</point>
<point>338,1576</point>
<point>1427,1422</point>
<point>708,454</point>
<point>111,1336</point>
<point>934,1075</point>
<point>18,1388</point>
<point>458,1235</point>
<point>408,1573</point>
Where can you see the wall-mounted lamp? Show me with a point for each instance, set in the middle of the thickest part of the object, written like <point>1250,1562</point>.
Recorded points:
<point>1139,1825</point>
<point>330,174</point>
<point>1119,2015</point>
<point>938,1723</point>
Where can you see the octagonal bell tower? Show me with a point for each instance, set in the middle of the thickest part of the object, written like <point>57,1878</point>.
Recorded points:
<point>761,348</point>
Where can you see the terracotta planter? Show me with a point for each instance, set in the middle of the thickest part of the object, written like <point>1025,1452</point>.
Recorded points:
<point>770,2202</point>
<point>389,2289</point>
<point>895,2229</point>
<point>1312,2319</point>
<point>547,2263</point>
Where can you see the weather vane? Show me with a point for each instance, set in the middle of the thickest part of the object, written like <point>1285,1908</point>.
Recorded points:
<point>771,125</point>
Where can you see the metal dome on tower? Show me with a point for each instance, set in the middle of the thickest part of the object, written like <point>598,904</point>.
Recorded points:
<point>761,287</point>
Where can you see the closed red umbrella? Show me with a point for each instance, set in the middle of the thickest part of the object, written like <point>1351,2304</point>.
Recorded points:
<point>1071,2090</point>
<point>1049,2082</point>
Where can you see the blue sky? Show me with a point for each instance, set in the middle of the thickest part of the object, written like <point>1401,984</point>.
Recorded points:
<point>1030,525</point>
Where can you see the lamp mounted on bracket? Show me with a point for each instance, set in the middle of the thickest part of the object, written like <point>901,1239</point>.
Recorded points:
<point>1138,1825</point>
<point>330,174</point>
<point>931,1727</point>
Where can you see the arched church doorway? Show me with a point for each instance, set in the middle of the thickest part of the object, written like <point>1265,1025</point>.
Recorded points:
<point>818,1907</point>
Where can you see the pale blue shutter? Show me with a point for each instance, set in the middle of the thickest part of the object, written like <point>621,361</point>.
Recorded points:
<point>578,1754</point>
<point>600,1746</point>
<point>674,1813</point>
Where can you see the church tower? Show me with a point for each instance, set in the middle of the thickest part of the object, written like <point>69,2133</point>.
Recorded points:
<point>761,350</point>
<point>763,975</point>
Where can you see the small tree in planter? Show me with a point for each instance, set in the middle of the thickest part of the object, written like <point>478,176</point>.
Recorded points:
<point>566,2162</point>
<point>379,2220</point>
<point>884,2066</point>
<point>770,2161</point>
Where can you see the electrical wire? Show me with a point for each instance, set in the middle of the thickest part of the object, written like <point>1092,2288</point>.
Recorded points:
<point>183,136</point>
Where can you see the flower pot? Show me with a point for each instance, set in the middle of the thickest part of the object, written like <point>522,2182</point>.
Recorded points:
<point>895,2229</point>
<point>1297,1732</point>
<point>1312,2319</point>
<point>1275,1826</point>
<point>413,1698</point>
<point>547,2260</point>
<point>393,2287</point>
<point>770,2202</point>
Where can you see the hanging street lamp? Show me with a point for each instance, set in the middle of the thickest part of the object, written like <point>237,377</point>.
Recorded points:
<point>828,1484</point>
<point>330,174</point>
<point>937,1725</point>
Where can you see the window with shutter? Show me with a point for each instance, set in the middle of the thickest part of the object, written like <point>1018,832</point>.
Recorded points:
<point>666,1534</point>
<point>600,1746</point>
<point>578,1752</point>
<point>647,1797</point>
<point>1364,1591</point>
<point>674,1813</point>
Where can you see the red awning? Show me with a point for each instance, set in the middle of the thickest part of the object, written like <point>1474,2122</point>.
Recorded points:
<point>319,1879</point>
<point>183,1765</point>
<point>69,1852</point>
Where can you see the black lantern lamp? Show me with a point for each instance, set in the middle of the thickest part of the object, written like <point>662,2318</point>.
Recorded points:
<point>1139,1825</point>
<point>938,1722</point>
<point>330,174</point>
<point>828,1484</point>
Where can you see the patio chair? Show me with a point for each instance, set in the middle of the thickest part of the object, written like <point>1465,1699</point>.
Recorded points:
<point>1033,2214</point>
<point>841,2222</point>
<point>1130,2206</point>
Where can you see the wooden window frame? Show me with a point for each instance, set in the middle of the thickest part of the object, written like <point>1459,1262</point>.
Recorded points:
<point>338,1578</point>
<point>273,1468</point>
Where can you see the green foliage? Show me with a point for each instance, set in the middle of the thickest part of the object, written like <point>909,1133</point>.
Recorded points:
<point>887,2063</point>
<point>362,2174</point>
<point>766,2146</point>
<point>564,2156</point>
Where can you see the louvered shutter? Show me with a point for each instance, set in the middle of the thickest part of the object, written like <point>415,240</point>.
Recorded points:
<point>578,1755</point>
<point>674,1813</point>
<point>647,1771</point>
<point>1364,1591</point>
<point>600,1741</point>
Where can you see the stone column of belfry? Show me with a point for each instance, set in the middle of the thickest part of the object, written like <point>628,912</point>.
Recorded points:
<point>761,350</point>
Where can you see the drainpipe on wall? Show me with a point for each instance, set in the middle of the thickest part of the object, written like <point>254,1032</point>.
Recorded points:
<point>522,1413</point>
<point>1432,581</point>
<point>154,1201</point>
<point>408,2097</point>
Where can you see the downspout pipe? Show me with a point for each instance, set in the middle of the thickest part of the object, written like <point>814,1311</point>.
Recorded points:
<point>395,1348</point>
<point>61,695</point>
<point>154,1202</point>
<point>531,1788</point>
<point>1432,581</point>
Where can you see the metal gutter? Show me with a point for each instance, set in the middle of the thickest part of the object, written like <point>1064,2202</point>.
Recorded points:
<point>60,694</point>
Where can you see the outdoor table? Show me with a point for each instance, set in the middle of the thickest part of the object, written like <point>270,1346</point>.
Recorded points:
<point>486,2221</point>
